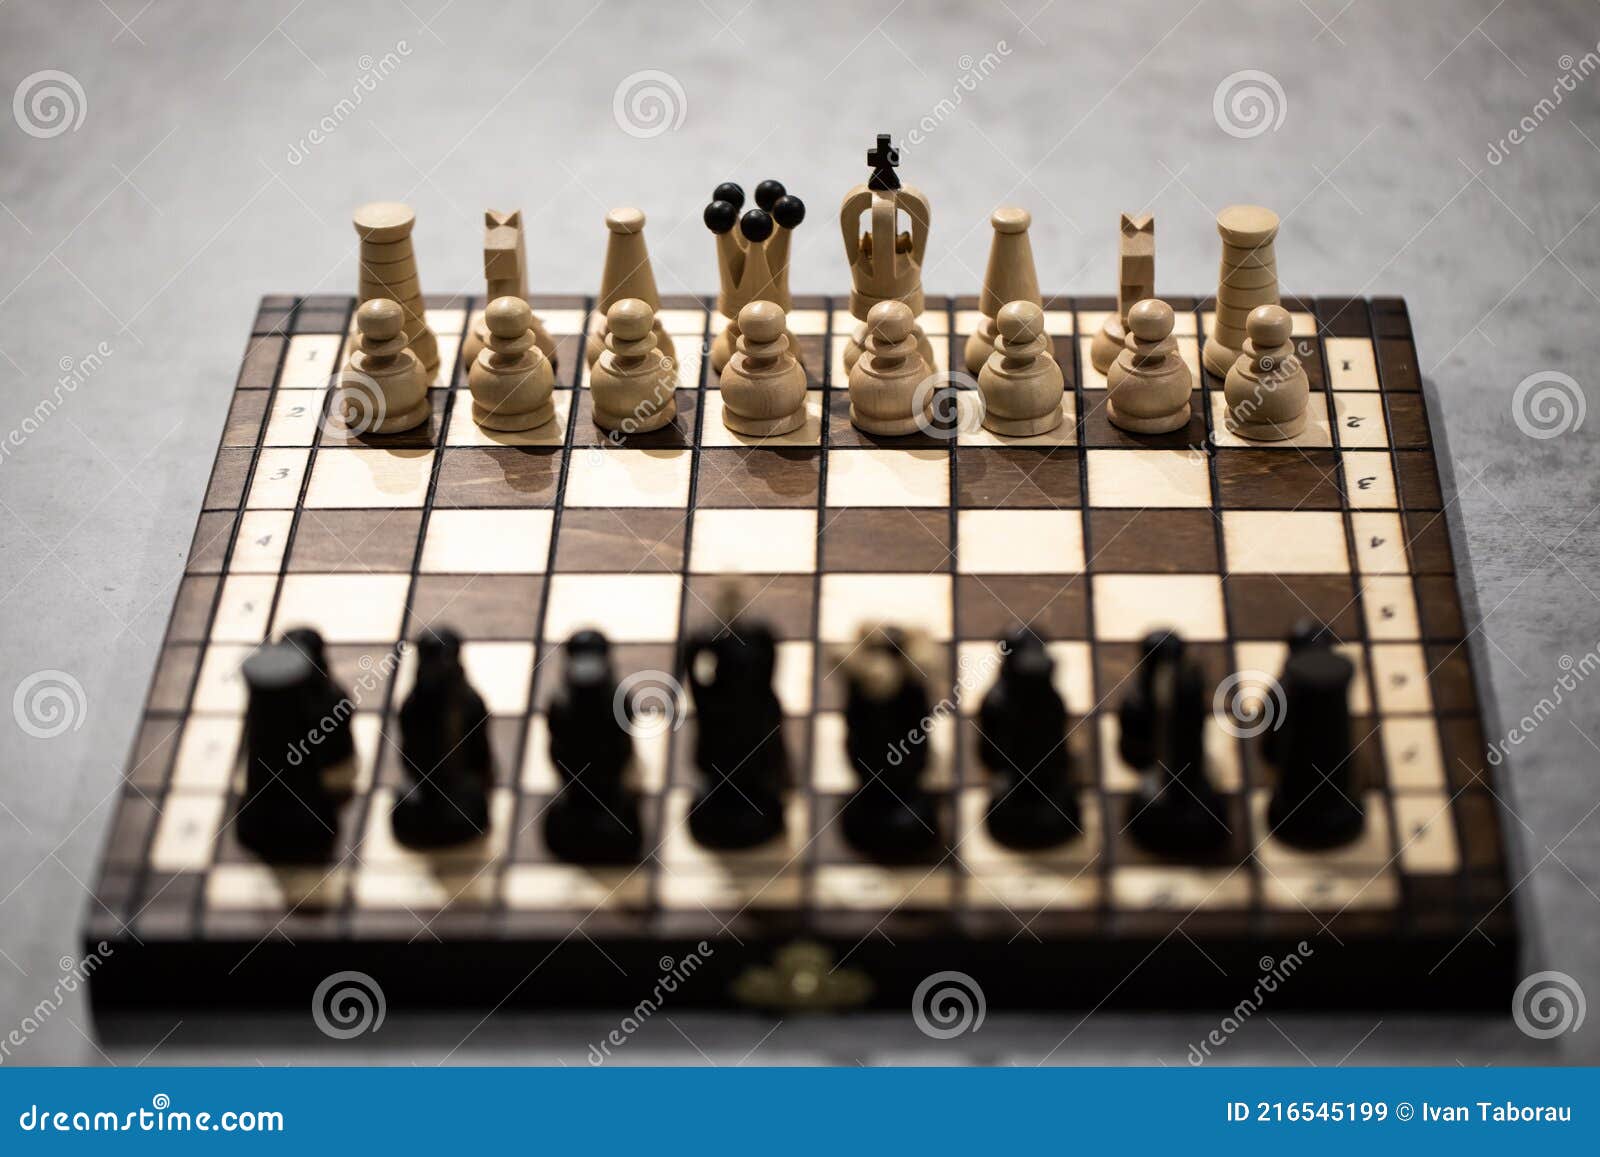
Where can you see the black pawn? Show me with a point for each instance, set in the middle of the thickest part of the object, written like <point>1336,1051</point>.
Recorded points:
<point>1316,803</point>
<point>738,737</point>
<point>595,818</point>
<point>1178,811</point>
<point>1022,741</point>
<point>890,816</point>
<point>444,747</point>
<point>287,814</point>
<point>332,703</point>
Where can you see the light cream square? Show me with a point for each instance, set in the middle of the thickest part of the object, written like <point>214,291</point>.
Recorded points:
<point>220,687</point>
<point>611,477</point>
<point>259,546</point>
<point>647,772</point>
<point>853,601</point>
<point>714,430</point>
<point>293,418</point>
<point>369,478</point>
<point>1413,754</point>
<point>207,753</point>
<point>978,666</point>
<point>309,362</point>
<point>1380,542</point>
<point>243,608</point>
<point>502,672</point>
<point>344,608</point>
<point>754,542</point>
<point>1019,541</point>
<point>275,485</point>
<point>1285,541</point>
<point>464,431</point>
<point>1316,435</point>
<point>831,772</point>
<point>1148,478</point>
<point>1390,607</point>
<point>186,834</point>
<point>1369,479</point>
<point>1351,363</point>
<point>1400,678</point>
<point>970,430</point>
<point>1361,421</point>
<point>630,608</point>
<point>888,477</point>
<point>1129,606</point>
<point>487,542</point>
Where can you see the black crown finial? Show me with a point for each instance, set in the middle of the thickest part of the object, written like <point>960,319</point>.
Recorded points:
<point>883,160</point>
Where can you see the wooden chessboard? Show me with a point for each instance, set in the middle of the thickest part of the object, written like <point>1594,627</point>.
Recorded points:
<point>1089,535</point>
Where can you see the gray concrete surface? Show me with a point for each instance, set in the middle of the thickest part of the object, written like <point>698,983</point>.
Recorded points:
<point>155,224</point>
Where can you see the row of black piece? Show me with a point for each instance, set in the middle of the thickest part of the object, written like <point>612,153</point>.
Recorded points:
<point>297,733</point>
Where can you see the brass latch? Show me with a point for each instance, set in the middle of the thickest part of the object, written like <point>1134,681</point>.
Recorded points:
<point>802,977</point>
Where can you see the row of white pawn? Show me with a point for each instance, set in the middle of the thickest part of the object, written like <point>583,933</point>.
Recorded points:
<point>893,389</point>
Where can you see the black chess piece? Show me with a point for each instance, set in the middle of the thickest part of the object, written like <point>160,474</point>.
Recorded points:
<point>444,748</point>
<point>884,159</point>
<point>334,707</point>
<point>738,744</point>
<point>1022,741</point>
<point>287,814</point>
<point>890,816</point>
<point>1178,811</point>
<point>1316,803</point>
<point>595,818</point>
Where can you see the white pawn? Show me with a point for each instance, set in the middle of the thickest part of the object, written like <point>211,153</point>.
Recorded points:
<point>384,389</point>
<point>633,382</point>
<point>889,374</point>
<point>763,386</point>
<point>511,379</point>
<point>1021,383</point>
<point>1267,389</point>
<point>1149,384</point>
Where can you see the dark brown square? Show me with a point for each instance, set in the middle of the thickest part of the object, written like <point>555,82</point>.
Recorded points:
<point>1126,850</point>
<point>1269,606</point>
<point>1342,317</point>
<point>169,903</point>
<point>843,433</point>
<point>154,750</point>
<point>1418,479</point>
<point>1430,542</point>
<point>677,434</point>
<point>478,606</point>
<point>130,834</point>
<point>1450,677</point>
<point>1098,432</point>
<point>757,477</point>
<point>1397,365</point>
<point>682,772</point>
<point>175,672</point>
<point>191,610</point>
<point>1408,422</point>
<point>498,476</point>
<point>1051,606</point>
<point>261,357</point>
<point>273,316</point>
<point>786,603</point>
<point>363,672</point>
<point>208,549</point>
<point>870,539</point>
<point>831,847</point>
<point>626,658</point>
<point>1283,479</point>
<point>1019,478</point>
<point>228,477</point>
<point>245,418</point>
<point>1466,758</point>
<point>1440,606</point>
<point>335,541</point>
<point>1115,664</point>
<point>1160,541</point>
<point>1308,351</point>
<point>1478,820</point>
<point>623,539</point>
